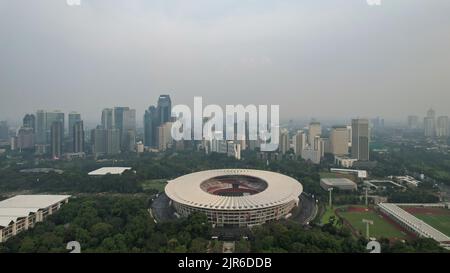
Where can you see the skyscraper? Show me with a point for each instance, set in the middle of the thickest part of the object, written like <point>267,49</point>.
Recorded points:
<point>40,127</point>
<point>150,121</point>
<point>299,141</point>
<point>112,141</point>
<point>124,121</point>
<point>164,136</point>
<point>29,121</point>
<point>78,137</point>
<point>128,132</point>
<point>74,117</point>
<point>25,138</point>
<point>164,109</point>
<point>51,117</point>
<point>284,141</point>
<point>4,130</point>
<point>108,118</point>
<point>118,117</point>
<point>105,141</point>
<point>442,126</point>
<point>429,124</point>
<point>360,139</point>
<point>156,117</point>
<point>339,140</point>
<point>56,139</point>
<point>315,129</point>
<point>98,141</point>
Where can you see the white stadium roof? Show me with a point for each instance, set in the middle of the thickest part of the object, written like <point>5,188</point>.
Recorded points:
<point>109,170</point>
<point>280,189</point>
<point>419,226</point>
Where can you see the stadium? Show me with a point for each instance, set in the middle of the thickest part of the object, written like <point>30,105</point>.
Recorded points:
<point>235,197</point>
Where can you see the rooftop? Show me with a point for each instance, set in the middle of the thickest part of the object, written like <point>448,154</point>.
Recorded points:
<point>109,170</point>
<point>21,206</point>
<point>338,181</point>
<point>32,201</point>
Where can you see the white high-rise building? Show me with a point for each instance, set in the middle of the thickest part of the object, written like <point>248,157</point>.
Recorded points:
<point>339,140</point>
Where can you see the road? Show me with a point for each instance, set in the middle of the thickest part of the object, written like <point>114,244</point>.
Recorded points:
<point>307,209</point>
<point>161,210</point>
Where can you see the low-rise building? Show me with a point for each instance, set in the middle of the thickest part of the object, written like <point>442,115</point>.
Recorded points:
<point>22,212</point>
<point>109,170</point>
<point>338,183</point>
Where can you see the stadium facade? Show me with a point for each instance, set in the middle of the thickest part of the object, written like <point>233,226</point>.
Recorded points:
<point>235,197</point>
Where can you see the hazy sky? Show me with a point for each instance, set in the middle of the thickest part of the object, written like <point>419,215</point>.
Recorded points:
<point>315,58</point>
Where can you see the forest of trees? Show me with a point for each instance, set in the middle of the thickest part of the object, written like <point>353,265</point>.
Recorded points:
<point>75,178</point>
<point>111,224</point>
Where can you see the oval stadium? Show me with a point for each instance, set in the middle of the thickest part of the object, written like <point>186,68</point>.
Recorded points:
<point>235,197</point>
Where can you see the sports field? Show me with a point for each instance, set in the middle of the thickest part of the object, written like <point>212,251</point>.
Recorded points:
<point>381,227</point>
<point>439,218</point>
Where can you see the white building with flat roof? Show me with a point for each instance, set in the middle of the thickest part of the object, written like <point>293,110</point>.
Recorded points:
<point>109,170</point>
<point>22,212</point>
<point>359,173</point>
<point>338,183</point>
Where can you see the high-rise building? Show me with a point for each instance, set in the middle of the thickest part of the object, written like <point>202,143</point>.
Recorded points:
<point>299,141</point>
<point>124,120</point>
<point>429,124</point>
<point>112,141</point>
<point>74,117</point>
<point>442,126</point>
<point>413,122</point>
<point>41,129</point>
<point>339,140</point>
<point>118,117</point>
<point>4,130</point>
<point>164,109</point>
<point>49,118</point>
<point>315,129</point>
<point>360,139</point>
<point>56,139</point>
<point>98,141</point>
<point>78,137</point>
<point>29,121</point>
<point>128,131</point>
<point>150,121</point>
<point>284,141</point>
<point>108,118</point>
<point>25,138</point>
<point>130,140</point>
<point>164,136</point>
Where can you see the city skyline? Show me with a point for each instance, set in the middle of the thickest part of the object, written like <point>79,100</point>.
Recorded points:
<point>231,52</point>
